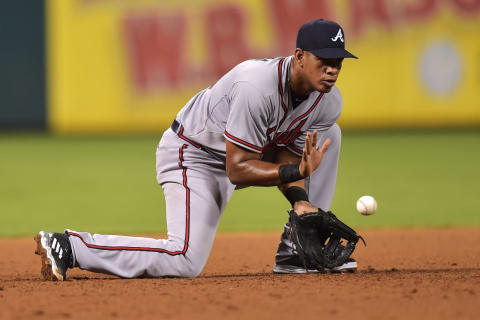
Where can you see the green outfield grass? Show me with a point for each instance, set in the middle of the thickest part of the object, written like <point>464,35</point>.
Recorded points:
<point>107,184</point>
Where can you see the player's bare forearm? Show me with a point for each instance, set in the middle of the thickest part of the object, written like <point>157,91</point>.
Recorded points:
<point>244,167</point>
<point>255,173</point>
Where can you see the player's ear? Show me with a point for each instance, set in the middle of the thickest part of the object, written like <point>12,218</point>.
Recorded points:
<point>299,56</point>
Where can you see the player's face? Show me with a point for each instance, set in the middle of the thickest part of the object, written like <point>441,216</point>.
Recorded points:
<point>321,73</point>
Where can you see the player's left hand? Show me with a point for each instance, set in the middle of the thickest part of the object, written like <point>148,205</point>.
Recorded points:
<point>312,156</point>
<point>321,239</point>
<point>301,207</point>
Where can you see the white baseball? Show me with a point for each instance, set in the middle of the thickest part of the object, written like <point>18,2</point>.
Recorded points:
<point>367,205</point>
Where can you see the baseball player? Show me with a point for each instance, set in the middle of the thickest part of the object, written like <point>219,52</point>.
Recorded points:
<point>267,122</point>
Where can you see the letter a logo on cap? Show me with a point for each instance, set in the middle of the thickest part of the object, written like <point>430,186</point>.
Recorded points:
<point>338,36</point>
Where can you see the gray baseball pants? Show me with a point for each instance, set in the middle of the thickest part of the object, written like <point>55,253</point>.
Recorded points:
<point>196,190</point>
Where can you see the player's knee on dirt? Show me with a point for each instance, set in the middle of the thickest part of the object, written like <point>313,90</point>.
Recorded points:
<point>195,261</point>
<point>193,270</point>
<point>186,267</point>
<point>189,265</point>
<point>182,266</point>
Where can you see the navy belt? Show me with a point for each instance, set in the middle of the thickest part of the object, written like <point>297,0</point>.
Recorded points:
<point>178,129</point>
<point>175,126</point>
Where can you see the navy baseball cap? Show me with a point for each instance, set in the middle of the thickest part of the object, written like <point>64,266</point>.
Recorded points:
<point>323,38</point>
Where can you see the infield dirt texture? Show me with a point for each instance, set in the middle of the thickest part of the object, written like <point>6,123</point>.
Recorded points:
<point>414,274</point>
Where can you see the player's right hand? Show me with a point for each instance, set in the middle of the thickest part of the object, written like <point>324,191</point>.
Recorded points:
<point>312,157</point>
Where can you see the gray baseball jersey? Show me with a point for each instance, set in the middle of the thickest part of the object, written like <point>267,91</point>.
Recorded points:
<point>250,106</point>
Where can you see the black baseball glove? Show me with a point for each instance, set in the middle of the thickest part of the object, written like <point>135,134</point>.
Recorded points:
<point>319,239</point>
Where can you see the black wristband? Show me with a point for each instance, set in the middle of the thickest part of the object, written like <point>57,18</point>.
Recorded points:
<point>289,173</point>
<point>294,194</point>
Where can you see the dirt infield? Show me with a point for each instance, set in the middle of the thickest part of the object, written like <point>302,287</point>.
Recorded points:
<point>403,274</point>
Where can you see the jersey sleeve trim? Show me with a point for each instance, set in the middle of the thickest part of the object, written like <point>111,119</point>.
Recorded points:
<point>242,143</point>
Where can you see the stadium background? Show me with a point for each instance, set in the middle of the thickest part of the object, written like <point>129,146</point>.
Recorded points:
<point>99,80</point>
